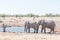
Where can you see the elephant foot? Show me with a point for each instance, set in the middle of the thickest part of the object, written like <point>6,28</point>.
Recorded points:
<point>36,32</point>
<point>45,32</point>
<point>51,32</point>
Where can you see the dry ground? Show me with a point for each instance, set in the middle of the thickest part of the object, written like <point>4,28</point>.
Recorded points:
<point>28,36</point>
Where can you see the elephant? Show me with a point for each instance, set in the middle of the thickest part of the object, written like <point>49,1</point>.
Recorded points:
<point>47,24</point>
<point>4,27</point>
<point>29,25</point>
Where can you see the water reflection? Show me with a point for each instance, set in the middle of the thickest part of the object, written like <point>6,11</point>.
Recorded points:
<point>15,29</point>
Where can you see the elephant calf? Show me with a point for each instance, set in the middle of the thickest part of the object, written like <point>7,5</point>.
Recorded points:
<point>29,25</point>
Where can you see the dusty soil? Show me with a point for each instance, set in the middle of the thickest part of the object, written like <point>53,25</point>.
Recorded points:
<point>28,36</point>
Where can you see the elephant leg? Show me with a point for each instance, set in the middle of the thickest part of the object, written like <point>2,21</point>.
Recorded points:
<point>50,31</point>
<point>4,29</point>
<point>34,30</point>
<point>25,29</point>
<point>44,30</point>
<point>29,30</point>
<point>37,30</point>
<point>53,31</point>
<point>41,30</point>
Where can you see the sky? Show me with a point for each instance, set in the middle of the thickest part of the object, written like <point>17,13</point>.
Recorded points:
<point>38,7</point>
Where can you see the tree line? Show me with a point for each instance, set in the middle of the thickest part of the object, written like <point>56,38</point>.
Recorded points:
<point>31,15</point>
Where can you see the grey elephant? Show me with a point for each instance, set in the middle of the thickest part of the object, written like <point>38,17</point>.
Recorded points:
<point>29,25</point>
<point>47,24</point>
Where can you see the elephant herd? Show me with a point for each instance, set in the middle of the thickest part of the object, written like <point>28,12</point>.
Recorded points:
<point>35,25</point>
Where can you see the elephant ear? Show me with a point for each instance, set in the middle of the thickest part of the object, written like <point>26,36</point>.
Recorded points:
<point>41,22</point>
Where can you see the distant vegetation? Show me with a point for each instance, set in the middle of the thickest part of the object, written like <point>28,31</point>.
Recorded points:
<point>31,15</point>
<point>52,15</point>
